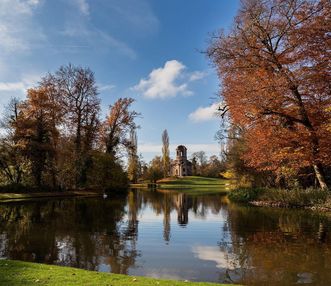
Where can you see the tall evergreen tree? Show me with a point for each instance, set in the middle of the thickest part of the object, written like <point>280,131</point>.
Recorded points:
<point>165,153</point>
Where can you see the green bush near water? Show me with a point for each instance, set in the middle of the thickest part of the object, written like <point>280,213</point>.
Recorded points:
<point>296,197</point>
<point>290,197</point>
<point>245,195</point>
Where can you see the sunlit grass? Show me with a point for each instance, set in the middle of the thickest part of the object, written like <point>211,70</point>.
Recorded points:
<point>195,185</point>
<point>192,180</point>
<point>20,273</point>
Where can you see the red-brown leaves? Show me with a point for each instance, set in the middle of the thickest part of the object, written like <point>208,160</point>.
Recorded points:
<point>275,71</point>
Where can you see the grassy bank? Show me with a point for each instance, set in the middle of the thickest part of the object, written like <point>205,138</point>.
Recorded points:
<point>302,198</point>
<point>4,197</point>
<point>189,184</point>
<point>24,273</point>
<point>139,186</point>
<point>194,184</point>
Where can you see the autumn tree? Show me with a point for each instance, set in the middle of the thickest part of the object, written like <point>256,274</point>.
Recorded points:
<point>155,169</point>
<point>165,153</point>
<point>214,167</point>
<point>118,125</point>
<point>279,50</point>
<point>54,137</point>
<point>13,164</point>
<point>37,133</point>
<point>78,91</point>
<point>200,161</point>
<point>232,156</point>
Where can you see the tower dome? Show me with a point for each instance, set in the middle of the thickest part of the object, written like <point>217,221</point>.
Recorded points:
<point>181,152</point>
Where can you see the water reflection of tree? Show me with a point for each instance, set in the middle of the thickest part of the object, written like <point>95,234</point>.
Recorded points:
<point>278,247</point>
<point>79,233</point>
<point>90,233</point>
<point>256,245</point>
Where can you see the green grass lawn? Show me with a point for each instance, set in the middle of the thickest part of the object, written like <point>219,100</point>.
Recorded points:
<point>194,184</point>
<point>25,273</point>
<point>192,180</point>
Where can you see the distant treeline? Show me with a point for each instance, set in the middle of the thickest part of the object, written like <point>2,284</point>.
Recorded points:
<point>212,167</point>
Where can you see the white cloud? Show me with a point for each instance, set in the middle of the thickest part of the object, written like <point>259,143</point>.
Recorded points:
<point>197,75</point>
<point>171,273</point>
<point>17,89</point>
<point>222,259</point>
<point>18,32</point>
<point>33,2</point>
<point>204,113</point>
<point>83,6</point>
<point>106,87</point>
<point>12,86</point>
<point>26,82</point>
<point>163,82</point>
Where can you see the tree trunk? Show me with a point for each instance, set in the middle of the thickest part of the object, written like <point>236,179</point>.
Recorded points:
<point>318,168</point>
<point>320,176</point>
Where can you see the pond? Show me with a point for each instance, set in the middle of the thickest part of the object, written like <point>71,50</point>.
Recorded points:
<point>171,235</point>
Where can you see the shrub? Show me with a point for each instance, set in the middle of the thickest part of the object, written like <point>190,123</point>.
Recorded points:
<point>296,196</point>
<point>245,195</point>
<point>106,173</point>
<point>290,197</point>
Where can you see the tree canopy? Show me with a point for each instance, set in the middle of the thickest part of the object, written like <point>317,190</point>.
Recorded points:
<point>280,50</point>
<point>55,138</point>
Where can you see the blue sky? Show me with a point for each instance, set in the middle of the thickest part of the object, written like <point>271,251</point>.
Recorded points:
<point>145,49</point>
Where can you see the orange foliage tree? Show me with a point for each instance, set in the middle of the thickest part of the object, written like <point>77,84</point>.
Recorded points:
<point>274,66</point>
<point>37,132</point>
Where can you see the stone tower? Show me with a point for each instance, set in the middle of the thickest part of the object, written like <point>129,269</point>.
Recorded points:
<point>181,152</point>
<point>181,166</point>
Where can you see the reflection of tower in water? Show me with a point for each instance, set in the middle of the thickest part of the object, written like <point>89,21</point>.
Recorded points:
<point>183,203</point>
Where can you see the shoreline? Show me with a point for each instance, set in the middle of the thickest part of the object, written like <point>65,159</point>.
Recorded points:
<point>192,184</point>
<point>275,204</point>
<point>305,199</point>
<point>16,272</point>
<point>8,197</point>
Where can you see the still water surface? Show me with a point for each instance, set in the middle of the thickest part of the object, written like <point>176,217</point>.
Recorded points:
<point>171,235</point>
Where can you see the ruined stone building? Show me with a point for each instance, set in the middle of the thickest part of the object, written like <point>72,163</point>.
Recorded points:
<point>181,166</point>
